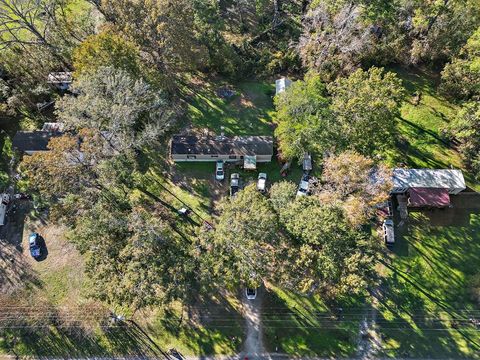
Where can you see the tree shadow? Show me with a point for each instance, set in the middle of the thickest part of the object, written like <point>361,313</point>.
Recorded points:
<point>304,327</point>
<point>210,325</point>
<point>425,299</point>
<point>122,339</point>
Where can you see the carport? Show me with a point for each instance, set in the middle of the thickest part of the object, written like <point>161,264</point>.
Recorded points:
<point>249,162</point>
<point>428,197</point>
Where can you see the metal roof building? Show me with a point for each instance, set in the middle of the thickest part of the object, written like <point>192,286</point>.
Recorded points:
<point>209,148</point>
<point>404,179</point>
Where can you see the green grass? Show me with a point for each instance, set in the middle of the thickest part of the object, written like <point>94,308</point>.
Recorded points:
<point>306,326</point>
<point>248,112</point>
<point>215,327</point>
<point>422,142</point>
<point>426,285</point>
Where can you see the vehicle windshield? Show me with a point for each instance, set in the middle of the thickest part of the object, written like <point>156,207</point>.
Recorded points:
<point>219,172</point>
<point>250,291</point>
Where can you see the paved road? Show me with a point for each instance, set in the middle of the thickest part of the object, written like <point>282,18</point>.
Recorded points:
<point>253,346</point>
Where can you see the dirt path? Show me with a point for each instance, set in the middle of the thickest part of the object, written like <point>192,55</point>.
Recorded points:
<point>253,346</point>
<point>369,340</point>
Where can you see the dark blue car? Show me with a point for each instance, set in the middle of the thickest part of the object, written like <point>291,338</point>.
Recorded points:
<point>35,248</point>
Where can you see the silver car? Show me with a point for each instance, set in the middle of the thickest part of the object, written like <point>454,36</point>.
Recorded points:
<point>262,182</point>
<point>304,186</point>
<point>251,293</point>
<point>219,170</point>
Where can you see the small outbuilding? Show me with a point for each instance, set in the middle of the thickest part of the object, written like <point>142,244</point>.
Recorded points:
<point>230,149</point>
<point>282,84</point>
<point>450,180</point>
<point>428,198</point>
<point>30,142</point>
<point>61,80</point>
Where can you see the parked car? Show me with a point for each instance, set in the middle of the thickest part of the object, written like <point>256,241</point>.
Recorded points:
<point>184,211</point>
<point>4,201</point>
<point>307,163</point>
<point>303,187</point>
<point>262,182</point>
<point>220,170</point>
<point>251,293</point>
<point>234,184</point>
<point>390,208</point>
<point>388,232</point>
<point>34,246</point>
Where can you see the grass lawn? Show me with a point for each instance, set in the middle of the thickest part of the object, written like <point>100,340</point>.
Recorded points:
<point>426,284</point>
<point>213,325</point>
<point>305,326</point>
<point>421,142</point>
<point>248,112</point>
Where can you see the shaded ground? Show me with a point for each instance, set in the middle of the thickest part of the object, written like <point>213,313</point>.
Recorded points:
<point>306,326</point>
<point>422,140</point>
<point>425,308</point>
<point>213,325</point>
<point>252,310</point>
<point>248,112</point>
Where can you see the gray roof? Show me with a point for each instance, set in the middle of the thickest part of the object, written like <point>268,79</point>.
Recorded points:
<point>33,140</point>
<point>282,84</point>
<point>237,145</point>
<point>428,178</point>
<point>63,77</point>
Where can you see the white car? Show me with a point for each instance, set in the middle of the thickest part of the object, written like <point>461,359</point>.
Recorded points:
<point>303,187</point>
<point>234,183</point>
<point>251,293</point>
<point>262,182</point>
<point>388,233</point>
<point>219,170</point>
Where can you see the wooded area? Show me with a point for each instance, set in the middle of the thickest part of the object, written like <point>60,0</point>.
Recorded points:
<point>138,67</point>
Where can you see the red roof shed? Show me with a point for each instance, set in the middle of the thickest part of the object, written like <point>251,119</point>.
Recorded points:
<point>428,197</point>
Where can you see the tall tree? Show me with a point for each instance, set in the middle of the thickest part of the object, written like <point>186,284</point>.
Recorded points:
<point>127,112</point>
<point>328,256</point>
<point>66,168</point>
<point>366,105</point>
<point>340,36</point>
<point>42,23</point>
<point>461,77</point>
<point>305,121</point>
<point>246,239</point>
<point>106,49</point>
<point>356,184</point>
<point>335,38</point>
<point>161,28</point>
<point>134,259</point>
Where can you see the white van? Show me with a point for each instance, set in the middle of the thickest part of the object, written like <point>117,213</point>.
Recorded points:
<point>388,233</point>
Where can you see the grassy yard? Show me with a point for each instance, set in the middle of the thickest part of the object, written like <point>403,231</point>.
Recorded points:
<point>213,325</point>
<point>249,111</point>
<point>426,291</point>
<point>306,326</point>
<point>422,142</point>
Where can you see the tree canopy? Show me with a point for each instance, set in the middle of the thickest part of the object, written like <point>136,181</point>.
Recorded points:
<point>127,112</point>
<point>358,112</point>
<point>366,106</point>
<point>305,121</point>
<point>461,77</point>
<point>246,239</point>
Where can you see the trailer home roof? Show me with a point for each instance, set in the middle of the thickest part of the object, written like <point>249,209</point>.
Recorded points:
<point>208,145</point>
